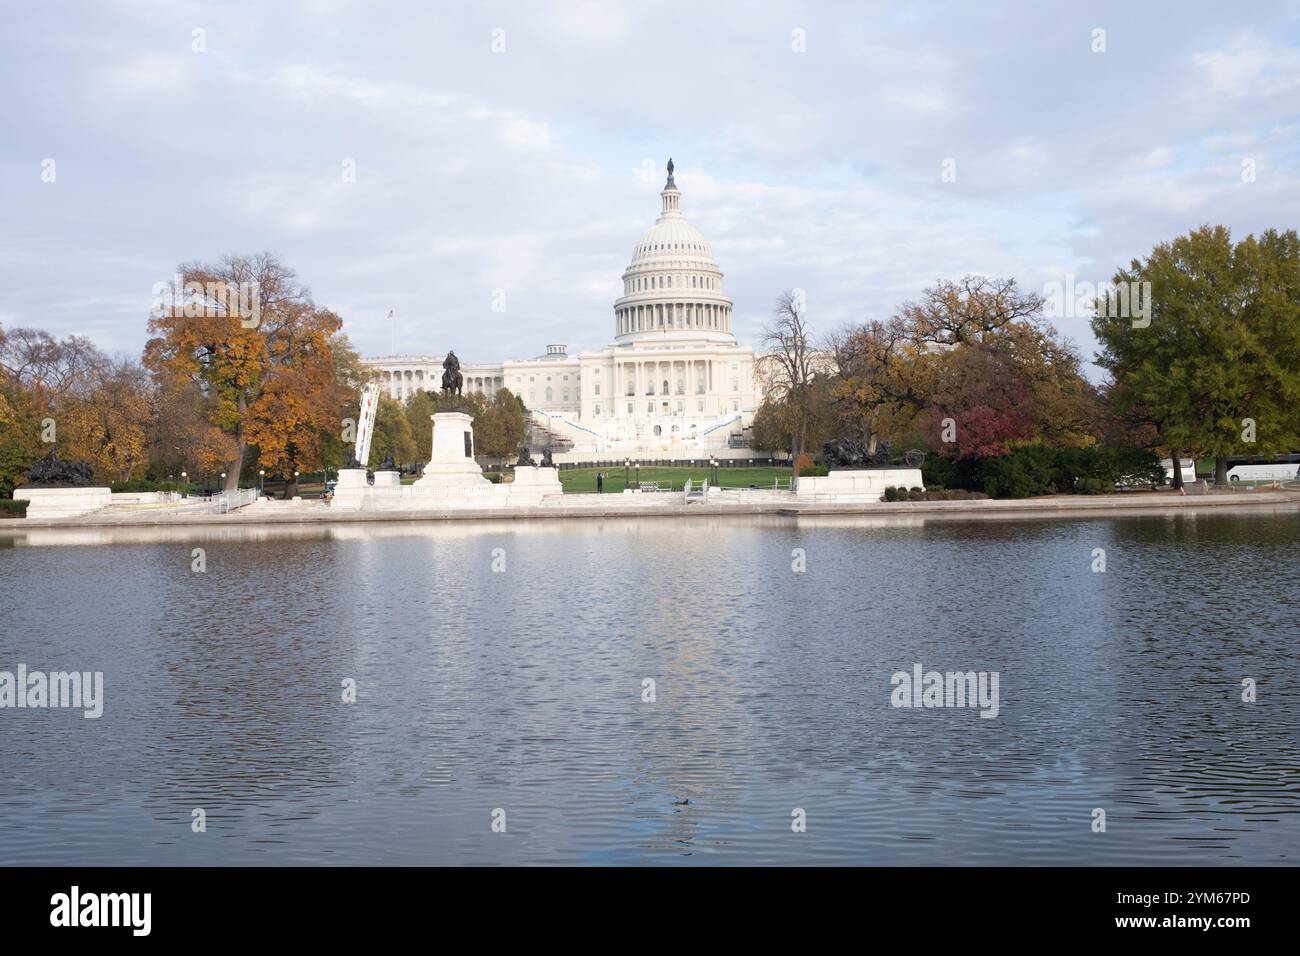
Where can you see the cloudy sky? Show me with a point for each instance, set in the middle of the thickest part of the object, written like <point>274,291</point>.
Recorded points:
<point>519,146</point>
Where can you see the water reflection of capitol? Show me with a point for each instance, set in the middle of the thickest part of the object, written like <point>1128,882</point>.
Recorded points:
<point>674,383</point>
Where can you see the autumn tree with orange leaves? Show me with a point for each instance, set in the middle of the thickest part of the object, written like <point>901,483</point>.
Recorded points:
<point>263,365</point>
<point>107,420</point>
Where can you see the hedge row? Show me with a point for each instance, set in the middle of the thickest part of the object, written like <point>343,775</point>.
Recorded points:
<point>1039,470</point>
<point>934,494</point>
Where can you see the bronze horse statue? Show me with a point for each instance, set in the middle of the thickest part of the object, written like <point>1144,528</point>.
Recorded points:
<point>452,380</point>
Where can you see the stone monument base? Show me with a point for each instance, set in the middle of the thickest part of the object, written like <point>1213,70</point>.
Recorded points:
<point>445,474</point>
<point>451,481</point>
<point>351,490</point>
<point>43,503</point>
<point>858,484</point>
<point>451,459</point>
<point>544,481</point>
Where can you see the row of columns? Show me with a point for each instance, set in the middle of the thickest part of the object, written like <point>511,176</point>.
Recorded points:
<point>674,315</point>
<point>647,378</point>
<point>402,383</point>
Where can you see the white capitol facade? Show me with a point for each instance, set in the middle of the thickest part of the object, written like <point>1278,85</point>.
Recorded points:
<point>673,384</point>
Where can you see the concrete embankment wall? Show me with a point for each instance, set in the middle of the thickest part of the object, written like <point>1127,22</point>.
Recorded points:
<point>617,506</point>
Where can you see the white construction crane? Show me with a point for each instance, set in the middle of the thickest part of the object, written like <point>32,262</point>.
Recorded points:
<point>366,426</point>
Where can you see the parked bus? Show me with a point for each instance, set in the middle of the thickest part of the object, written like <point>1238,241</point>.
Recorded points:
<point>1275,468</point>
<point>1186,465</point>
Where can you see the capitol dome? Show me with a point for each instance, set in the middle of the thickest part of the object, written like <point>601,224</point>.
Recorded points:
<point>672,289</point>
<point>672,238</point>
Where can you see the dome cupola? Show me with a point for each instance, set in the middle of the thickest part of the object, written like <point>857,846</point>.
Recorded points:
<point>673,286</point>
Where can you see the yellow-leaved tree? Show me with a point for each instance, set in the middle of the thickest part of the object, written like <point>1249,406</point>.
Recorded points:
<point>260,352</point>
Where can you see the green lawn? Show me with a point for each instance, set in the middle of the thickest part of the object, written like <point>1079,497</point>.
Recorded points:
<point>583,480</point>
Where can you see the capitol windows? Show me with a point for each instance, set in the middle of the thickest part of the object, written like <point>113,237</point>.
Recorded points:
<point>699,406</point>
<point>658,431</point>
<point>650,408</point>
<point>665,391</point>
<point>549,393</point>
<point>735,384</point>
<point>597,388</point>
<point>566,394</point>
<point>629,408</point>
<point>596,411</point>
<point>681,408</point>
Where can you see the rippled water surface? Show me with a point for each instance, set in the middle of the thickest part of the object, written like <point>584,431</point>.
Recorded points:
<point>521,689</point>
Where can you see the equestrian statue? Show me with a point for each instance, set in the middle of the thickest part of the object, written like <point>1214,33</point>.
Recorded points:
<point>452,380</point>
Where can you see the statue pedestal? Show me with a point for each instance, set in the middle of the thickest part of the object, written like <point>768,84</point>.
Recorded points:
<point>387,489</point>
<point>46,503</point>
<point>451,461</point>
<point>532,484</point>
<point>351,490</point>
<point>857,484</point>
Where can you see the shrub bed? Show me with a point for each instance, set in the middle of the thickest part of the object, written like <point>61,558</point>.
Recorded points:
<point>137,485</point>
<point>934,494</point>
<point>1039,470</point>
<point>12,509</point>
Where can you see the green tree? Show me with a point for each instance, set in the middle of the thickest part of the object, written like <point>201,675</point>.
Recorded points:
<point>392,434</point>
<point>420,409</point>
<point>20,435</point>
<point>1215,370</point>
<point>500,425</point>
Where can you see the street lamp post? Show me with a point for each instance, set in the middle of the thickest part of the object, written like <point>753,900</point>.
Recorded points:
<point>223,483</point>
<point>261,481</point>
<point>637,466</point>
<point>185,484</point>
<point>626,464</point>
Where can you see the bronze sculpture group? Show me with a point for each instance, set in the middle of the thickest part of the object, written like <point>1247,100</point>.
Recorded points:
<point>844,453</point>
<point>53,472</point>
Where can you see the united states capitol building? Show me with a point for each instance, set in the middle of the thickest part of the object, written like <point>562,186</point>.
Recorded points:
<point>673,384</point>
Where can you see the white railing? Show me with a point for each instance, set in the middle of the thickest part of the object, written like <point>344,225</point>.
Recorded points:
<point>226,501</point>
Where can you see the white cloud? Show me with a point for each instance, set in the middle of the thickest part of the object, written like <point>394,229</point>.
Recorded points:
<point>523,170</point>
